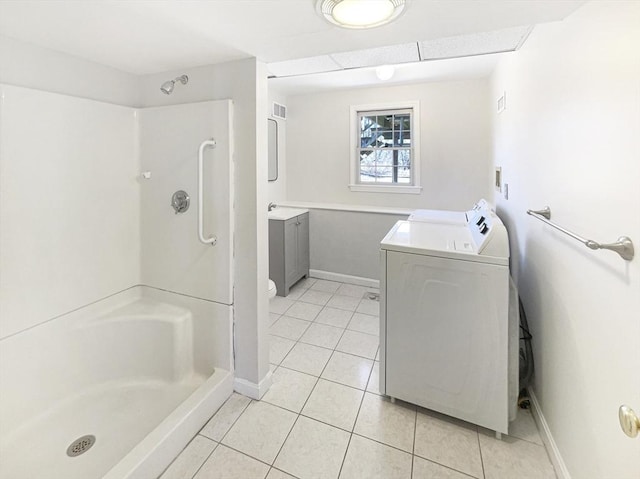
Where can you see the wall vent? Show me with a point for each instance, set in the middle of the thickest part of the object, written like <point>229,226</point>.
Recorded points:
<point>279,111</point>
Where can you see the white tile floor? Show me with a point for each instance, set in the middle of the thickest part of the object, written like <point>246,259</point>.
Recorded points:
<point>324,418</point>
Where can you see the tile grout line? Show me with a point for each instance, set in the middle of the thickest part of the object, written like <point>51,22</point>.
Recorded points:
<point>445,466</point>
<point>346,451</point>
<point>280,470</point>
<point>234,422</point>
<point>484,475</point>
<point>248,455</point>
<point>207,458</point>
<point>413,448</point>
<point>180,454</point>
<point>384,444</point>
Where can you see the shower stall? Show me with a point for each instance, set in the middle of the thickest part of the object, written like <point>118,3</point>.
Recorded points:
<point>116,321</point>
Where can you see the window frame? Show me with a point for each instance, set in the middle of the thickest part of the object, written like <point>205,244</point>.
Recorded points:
<point>354,157</point>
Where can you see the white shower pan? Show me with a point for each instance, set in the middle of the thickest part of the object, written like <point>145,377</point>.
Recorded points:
<point>140,371</point>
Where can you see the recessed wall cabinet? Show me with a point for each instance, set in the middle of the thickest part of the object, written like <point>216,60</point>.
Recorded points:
<point>288,251</point>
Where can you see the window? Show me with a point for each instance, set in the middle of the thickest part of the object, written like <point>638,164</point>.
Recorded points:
<point>385,148</point>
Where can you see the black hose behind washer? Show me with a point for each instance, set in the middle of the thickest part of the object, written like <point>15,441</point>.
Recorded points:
<point>526,358</point>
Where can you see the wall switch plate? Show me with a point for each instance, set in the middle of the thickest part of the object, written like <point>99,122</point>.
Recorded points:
<point>505,191</point>
<point>502,102</point>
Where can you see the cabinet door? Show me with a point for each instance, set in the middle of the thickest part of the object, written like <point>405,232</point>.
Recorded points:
<point>276,255</point>
<point>291,251</point>
<point>303,245</point>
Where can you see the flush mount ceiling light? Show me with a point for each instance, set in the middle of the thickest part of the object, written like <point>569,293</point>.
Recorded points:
<point>360,13</point>
<point>385,72</point>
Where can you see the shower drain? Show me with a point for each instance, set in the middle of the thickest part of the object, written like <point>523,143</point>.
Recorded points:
<point>81,445</point>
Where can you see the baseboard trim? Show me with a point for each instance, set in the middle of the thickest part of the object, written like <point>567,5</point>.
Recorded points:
<point>552,448</point>
<point>253,390</point>
<point>344,278</point>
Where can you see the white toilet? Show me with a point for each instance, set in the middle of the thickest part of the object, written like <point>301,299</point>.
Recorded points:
<point>272,289</point>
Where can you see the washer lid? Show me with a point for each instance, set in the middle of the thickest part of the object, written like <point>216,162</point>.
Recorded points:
<point>439,216</point>
<point>442,240</point>
<point>450,217</point>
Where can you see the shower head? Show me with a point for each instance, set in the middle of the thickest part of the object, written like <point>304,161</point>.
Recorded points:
<point>168,86</point>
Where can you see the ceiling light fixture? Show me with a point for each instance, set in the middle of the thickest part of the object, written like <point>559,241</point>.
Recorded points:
<point>360,13</point>
<point>385,72</point>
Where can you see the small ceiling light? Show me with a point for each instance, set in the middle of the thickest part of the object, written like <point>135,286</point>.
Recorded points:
<point>385,72</point>
<point>360,13</point>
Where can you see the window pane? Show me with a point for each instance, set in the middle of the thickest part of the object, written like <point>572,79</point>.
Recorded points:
<point>368,128</point>
<point>385,122</point>
<point>367,178</point>
<point>402,122</point>
<point>401,130</point>
<point>367,142</point>
<point>367,163</point>
<point>402,138</point>
<point>404,157</point>
<point>384,157</point>
<point>385,138</point>
<point>404,172</point>
<point>368,174</point>
<point>369,171</point>
<point>384,174</point>
<point>367,156</point>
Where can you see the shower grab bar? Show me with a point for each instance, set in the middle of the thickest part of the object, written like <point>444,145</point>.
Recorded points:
<point>211,240</point>
<point>624,245</point>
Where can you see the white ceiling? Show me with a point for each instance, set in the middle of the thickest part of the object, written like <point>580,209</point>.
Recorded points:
<point>442,70</point>
<point>148,36</point>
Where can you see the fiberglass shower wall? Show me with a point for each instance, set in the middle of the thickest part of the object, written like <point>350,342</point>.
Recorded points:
<point>172,256</point>
<point>69,204</point>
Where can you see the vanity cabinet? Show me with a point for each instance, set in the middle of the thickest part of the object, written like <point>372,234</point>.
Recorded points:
<point>288,251</point>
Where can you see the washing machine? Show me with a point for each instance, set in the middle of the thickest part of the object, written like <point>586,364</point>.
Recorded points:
<point>450,217</point>
<point>444,313</point>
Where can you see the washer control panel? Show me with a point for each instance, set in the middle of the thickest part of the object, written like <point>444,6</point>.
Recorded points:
<point>488,233</point>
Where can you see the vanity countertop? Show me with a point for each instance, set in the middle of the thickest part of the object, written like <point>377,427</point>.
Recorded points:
<point>284,213</point>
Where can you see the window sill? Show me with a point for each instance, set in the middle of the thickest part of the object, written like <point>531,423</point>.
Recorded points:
<point>411,190</point>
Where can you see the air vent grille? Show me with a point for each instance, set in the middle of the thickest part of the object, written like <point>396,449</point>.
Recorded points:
<point>279,111</point>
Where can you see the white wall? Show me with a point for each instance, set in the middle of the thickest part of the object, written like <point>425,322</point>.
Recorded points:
<point>69,205</point>
<point>454,145</point>
<point>277,190</point>
<point>570,139</point>
<point>245,83</point>
<point>30,66</point>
